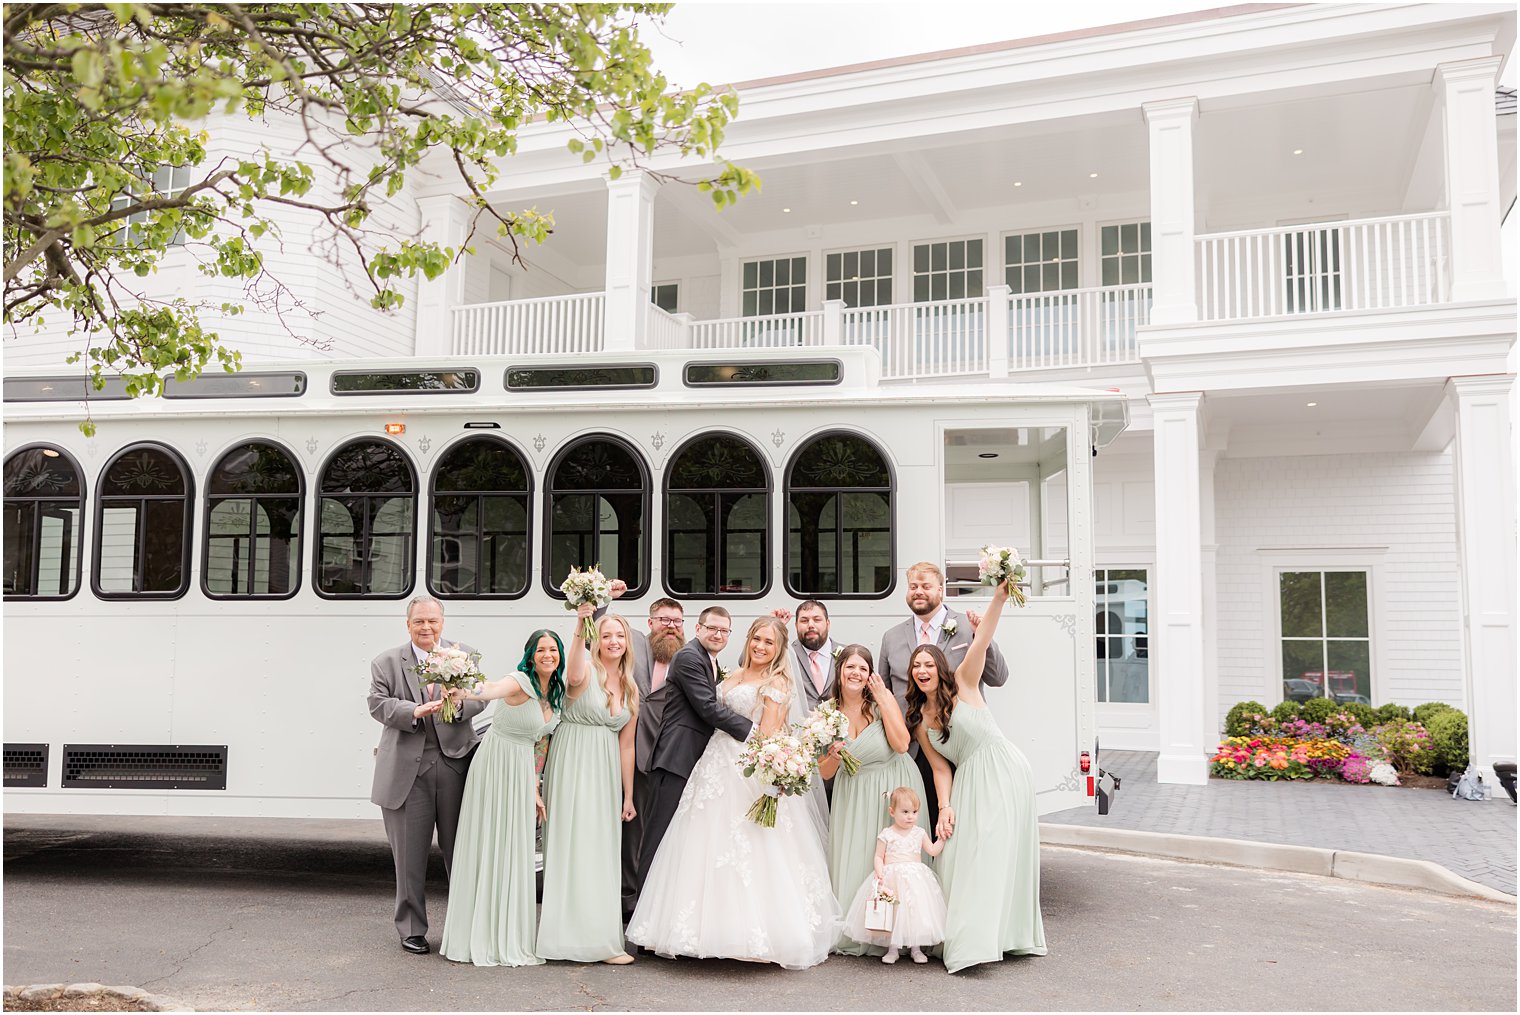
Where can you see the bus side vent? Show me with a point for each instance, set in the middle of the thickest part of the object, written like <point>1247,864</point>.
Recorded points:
<point>144,766</point>
<point>26,765</point>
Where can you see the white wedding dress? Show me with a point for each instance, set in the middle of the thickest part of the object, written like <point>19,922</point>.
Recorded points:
<point>722,886</point>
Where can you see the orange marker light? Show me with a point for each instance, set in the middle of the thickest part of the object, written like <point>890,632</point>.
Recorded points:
<point>395,429</point>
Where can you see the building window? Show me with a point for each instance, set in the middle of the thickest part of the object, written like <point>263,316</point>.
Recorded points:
<point>947,270</point>
<point>862,278</point>
<point>167,182</point>
<point>775,286</point>
<point>666,296</point>
<point>1125,254</point>
<point>839,519</point>
<point>478,546</point>
<point>366,517</point>
<point>1121,603</point>
<point>253,524</point>
<point>717,503</point>
<point>44,512</point>
<point>598,511</point>
<point>1312,269</point>
<point>1326,642</point>
<point>1040,262</point>
<point>142,528</point>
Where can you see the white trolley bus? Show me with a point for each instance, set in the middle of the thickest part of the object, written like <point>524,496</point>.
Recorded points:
<point>192,596</point>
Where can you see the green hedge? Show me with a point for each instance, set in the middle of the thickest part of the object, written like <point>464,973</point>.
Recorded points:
<point>1390,712</point>
<point>1287,711</point>
<point>1424,713</point>
<point>1238,721</point>
<point>1448,738</point>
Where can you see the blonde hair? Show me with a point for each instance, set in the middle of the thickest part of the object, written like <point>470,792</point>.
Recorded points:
<point>898,794</point>
<point>778,673</point>
<point>924,567</point>
<point>625,667</point>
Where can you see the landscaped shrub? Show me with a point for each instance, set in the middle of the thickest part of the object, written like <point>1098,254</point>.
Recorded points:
<point>1365,715</point>
<point>1390,712</point>
<point>1318,709</point>
<point>1242,718</point>
<point>1356,769</point>
<point>1406,745</point>
<point>1424,713</point>
<point>1259,758</point>
<point>1286,711</point>
<point>1448,739</point>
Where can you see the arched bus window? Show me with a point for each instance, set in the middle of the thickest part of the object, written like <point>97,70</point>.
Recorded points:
<point>717,506</point>
<point>839,519</point>
<point>44,512</point>
<point>142,525</point>
<point>253,524</point>
<point>478,543</point>
<point>366,516</point>
<point>598,513</point>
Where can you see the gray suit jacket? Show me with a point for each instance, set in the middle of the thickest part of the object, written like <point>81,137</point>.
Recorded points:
<point>805,672</point>
<point>394,691</point>
<point>898,644</point>
<point>651,705</point>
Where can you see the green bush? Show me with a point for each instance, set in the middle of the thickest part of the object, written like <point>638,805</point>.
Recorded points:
<point>1390,712</point>
<point>1365,715</point>
<point>1318,709</point>
<point>1448,739</point>
<point>1424,713</point>
<point>1407,746</point>
<point>1239,720</point>
<point>1287,711</point>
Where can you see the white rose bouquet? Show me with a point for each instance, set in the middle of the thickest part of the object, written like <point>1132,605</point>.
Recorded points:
<point>824,727</point>
<point>452,669</point>
<point>784,764</point>
<point>999,564</point>
<point>588,586</point>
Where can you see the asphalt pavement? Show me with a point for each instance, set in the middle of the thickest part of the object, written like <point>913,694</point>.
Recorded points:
<point>296,916</point>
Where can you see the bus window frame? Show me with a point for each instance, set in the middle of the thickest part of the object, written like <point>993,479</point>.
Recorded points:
<point>186,555</point>
<point>528,496</point>
<point>300,496</point>
<point>786,507</point>
<point>551,583</point>
<point>316,542</point>
<point>84,502</point>
<point>768,536</point>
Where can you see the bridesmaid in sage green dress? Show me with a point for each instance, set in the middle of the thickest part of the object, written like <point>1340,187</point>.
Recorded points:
<point>990,870</point>
<point>491,893</point>
<point>588,792</point>
<point>879,741</point>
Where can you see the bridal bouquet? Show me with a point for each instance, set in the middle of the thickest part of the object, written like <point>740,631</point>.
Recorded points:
<point>1000,564</point>
<point>451,668</point>
<point>825,726</point>
<point>784,764</point>
<point>588,586</point>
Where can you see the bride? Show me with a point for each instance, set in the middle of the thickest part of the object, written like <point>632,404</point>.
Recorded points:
<point>722,886</point>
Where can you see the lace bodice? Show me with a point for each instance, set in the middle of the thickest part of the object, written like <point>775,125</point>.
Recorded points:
<point>746,699</point>
<point>903,847</point>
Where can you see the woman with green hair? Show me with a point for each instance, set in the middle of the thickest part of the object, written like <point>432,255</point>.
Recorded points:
<point>491,890</point>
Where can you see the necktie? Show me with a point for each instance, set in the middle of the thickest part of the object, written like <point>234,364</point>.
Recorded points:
<point>923,633</point>
<point>817,671</point>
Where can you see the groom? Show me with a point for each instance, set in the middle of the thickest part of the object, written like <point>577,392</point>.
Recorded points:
<point>692,712</point>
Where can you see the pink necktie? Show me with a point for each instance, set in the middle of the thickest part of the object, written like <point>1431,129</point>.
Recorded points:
<point>923,633</point>
<point>817,671</point>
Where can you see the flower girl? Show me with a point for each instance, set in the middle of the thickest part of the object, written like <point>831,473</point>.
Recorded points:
<point>915,904</point>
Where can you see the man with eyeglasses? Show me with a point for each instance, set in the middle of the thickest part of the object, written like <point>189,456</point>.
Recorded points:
<point>651,656</point>
<point>690,713</point>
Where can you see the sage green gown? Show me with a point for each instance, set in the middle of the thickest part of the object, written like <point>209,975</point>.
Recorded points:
<point>859,813</point>
<point>491,892</point>
<point>582,915</point>
<point>990,869</point>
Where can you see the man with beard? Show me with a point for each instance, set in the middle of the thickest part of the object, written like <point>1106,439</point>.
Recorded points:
<point>813,651</point>
<point>651,656</point>
<point>932,623</point>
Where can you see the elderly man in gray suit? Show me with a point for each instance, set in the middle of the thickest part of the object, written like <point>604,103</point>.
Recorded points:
<point>932,623</point>
<point>420,765</point>
<point>652,656</point>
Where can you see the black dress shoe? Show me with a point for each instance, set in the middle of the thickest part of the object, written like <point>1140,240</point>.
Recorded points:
<point>417,945</point>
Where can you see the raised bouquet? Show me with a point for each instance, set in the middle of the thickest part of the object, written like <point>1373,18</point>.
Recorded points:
<point>1000,564</point>
<point>451,668</point>
<point>783,763</point>
<point>824,727</point>
<point>588,586</point>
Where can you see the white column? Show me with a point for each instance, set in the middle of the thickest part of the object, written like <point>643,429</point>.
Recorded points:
<point>1176,626</point>
<point>833,322</point>
<point>997,330</point>
<point>1172,211</point>
<point>1209,560</point>
<point>630,260</point>
<point>445,221</point>
<point>1465,91</point>
<point>1485,455</point>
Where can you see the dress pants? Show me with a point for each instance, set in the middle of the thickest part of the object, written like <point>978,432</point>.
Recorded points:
<point>665,789</point>
<point>633,837</point>
<point>433,803</point>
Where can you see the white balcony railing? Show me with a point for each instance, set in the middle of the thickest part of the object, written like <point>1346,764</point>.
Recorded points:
<point>553,324</point>
<point>663,330</point>
<point>1366,264</point>
<point>922,339</point>
<point>1076,327</point>
<point>774,331</point>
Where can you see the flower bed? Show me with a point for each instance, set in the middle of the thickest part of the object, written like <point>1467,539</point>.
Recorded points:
<point>1331,745</point>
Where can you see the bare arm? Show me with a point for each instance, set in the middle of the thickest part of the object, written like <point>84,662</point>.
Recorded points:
<point>943,781</point>
<point>892,722</point>
<point>968,675</point>
<point>879,861</point>
<point>828,765</point>
<point>933,847</point>
<point>625,758</point>
<point>508,687</point>
<point>774,715</point>
<point>578,661</point>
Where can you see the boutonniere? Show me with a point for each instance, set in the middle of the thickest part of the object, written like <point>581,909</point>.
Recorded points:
<point>722,673</point>
<point>838,651</point>
<point>950,627</point>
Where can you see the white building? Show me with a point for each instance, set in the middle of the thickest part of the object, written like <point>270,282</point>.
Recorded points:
<point>1274,228</point>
